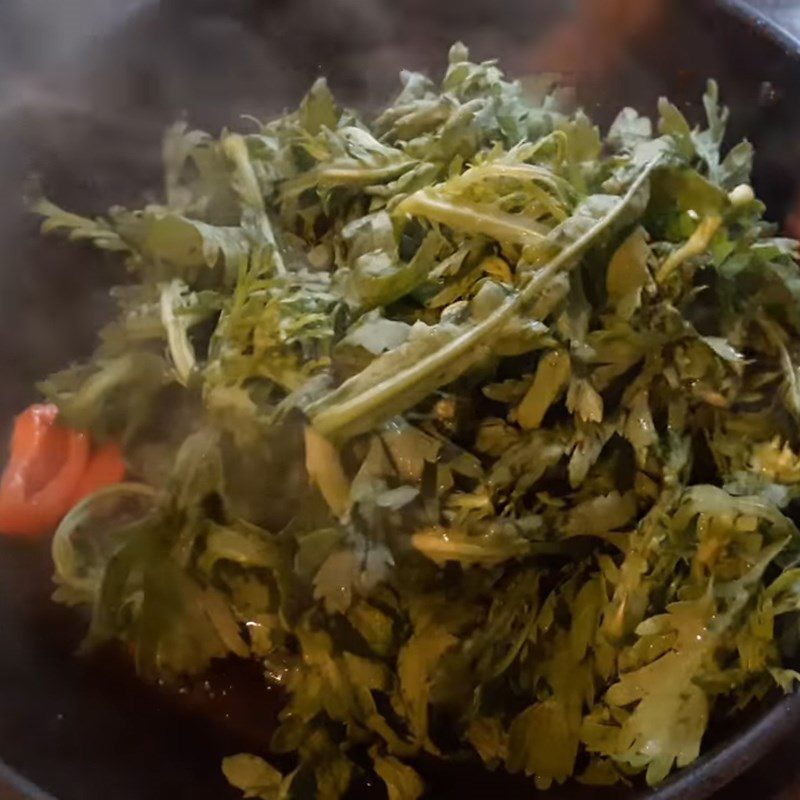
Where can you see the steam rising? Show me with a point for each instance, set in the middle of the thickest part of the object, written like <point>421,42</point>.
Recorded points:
<point>36,35</point>
<point>88,86</point>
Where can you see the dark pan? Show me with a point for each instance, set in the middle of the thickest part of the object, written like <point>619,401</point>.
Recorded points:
<point>86,729</point>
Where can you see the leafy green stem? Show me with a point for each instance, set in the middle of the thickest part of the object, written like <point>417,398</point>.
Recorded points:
<point>333,420</point>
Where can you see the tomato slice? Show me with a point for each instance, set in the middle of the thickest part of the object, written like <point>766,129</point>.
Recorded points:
<point>46,470</point>
<point>105,467</point>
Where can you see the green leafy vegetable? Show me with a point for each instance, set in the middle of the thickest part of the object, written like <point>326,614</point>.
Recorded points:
<point>254,776</point>
<point>474,428</point>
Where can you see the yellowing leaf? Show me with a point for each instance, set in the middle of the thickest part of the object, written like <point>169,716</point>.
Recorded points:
<point>584,401</point>
<point>696,245</point>
<point>543,743</point>
<point>601,514</point>
<point>552,375</point>
<point>326,472</point>
<point>497,268</point>
<point>627,273</point>
<point>415,667</point>
<point>489,738</point>
<point>640,430</point>
<point>402,782</point>
<point>253,776</point>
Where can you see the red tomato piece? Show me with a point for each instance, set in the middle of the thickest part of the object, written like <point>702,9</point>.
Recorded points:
<point>105,468</point>
<point>46,465</point>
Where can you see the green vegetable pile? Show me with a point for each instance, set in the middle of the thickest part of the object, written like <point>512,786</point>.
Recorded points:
<point>475,428</point>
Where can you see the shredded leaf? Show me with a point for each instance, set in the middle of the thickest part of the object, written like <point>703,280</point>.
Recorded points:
<point>472,427</point>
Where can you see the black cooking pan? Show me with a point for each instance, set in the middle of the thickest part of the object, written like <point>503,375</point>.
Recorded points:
<point>88,132</point>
